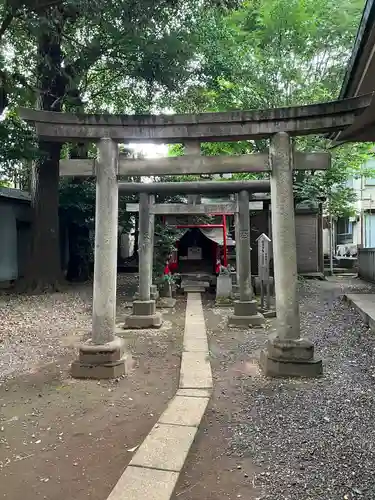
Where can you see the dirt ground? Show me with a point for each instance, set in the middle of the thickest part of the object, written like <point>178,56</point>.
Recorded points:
<point>260,439</point>
<point>62,438</point>
<point>288,439</point>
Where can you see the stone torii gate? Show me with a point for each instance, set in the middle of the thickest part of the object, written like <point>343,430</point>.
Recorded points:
<point>245,309</point>
<point>287,354</point>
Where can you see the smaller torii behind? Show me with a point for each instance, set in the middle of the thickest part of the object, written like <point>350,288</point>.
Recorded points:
<point>245,309</point>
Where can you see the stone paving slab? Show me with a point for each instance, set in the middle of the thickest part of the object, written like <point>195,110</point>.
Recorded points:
<point>165,447</point>
<point>365,305</point>
<point>196,344</point>
<point>195,372</point>
<point>195,332</point>
<point>194,393</point>
<point>189,289</point>
<point>138,483</point>
<point>194,296</point>
<point>184,411</point>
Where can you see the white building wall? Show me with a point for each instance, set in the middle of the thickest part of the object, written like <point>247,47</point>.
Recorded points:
<point>326,246</point>
<point>364,206</point>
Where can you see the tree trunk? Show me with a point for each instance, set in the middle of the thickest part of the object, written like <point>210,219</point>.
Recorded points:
<point>78,233</point>
<point>79,253</point>
<point>44,270</point>
<point>136,236</point>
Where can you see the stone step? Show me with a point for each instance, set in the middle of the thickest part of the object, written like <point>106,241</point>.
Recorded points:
<point>195,277</point>
<point>204,284</point>
<point>194,288</point>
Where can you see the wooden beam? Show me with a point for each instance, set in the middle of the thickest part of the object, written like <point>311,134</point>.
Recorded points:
<point>196,164</point>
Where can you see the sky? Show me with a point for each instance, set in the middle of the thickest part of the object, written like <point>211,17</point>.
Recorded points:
<point>150,150</point>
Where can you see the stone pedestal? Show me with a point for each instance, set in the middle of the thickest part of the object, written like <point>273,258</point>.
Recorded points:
<point>246,314</point>
<point>165,303</point>
<point>154,292</point>
<point>223,286</point>
<point>144,315</point>
<point>102,361</point>
<point>165,300</point>
<point>290,358</point>
<point>287,354</point>
<point>257,285</point>
<point>268,313</point>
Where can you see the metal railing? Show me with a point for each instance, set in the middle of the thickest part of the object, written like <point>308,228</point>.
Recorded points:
<point>366,264</point>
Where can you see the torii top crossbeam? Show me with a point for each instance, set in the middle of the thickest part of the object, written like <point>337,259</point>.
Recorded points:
<point>234,125</point>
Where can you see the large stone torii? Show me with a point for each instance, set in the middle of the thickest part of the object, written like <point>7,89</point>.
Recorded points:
<point>286,354</point>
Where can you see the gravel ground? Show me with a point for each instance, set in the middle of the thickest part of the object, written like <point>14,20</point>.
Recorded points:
<point>314,439</point>
<point>40,329</point>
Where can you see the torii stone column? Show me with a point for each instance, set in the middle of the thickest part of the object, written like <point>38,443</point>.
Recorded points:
<point>245,309</point>
<point>154,294</point>
<point>144,313</point>
<point>287,354</point>
<point>237,240</point>
<point>103,356</point>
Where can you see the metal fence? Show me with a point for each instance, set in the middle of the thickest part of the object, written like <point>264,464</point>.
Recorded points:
<point>366,264</point>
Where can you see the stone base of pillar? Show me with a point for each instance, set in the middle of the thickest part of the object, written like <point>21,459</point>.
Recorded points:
<point>144,315</point>
<point>290,358</point>
<point>102,361</point>
<point>246,314</point>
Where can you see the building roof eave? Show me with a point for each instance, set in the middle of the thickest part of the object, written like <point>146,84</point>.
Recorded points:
<point>365,27</point>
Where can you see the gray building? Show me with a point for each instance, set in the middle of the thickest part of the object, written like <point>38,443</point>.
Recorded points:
<point>15,226</point>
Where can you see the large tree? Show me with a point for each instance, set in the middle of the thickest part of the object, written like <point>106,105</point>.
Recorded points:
<point>91,56</point>
<point>275,53</point>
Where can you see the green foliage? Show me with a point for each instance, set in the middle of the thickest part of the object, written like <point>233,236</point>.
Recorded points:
<point>18,148</point>
<point>274,53</point>
<point>165,242</point>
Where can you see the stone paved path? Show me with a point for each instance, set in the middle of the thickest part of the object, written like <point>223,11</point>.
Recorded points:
<point>154,469</point>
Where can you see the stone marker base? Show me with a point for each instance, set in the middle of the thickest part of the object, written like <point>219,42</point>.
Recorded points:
<point>290,358</point>
<point>268,313</point>
<point>154,292</point>
<point>101,361</point>
<point>165,303</point>
<point>256,282</point>
<point>246,315</point>
<point>144,315</point>
<point>224,302</point>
